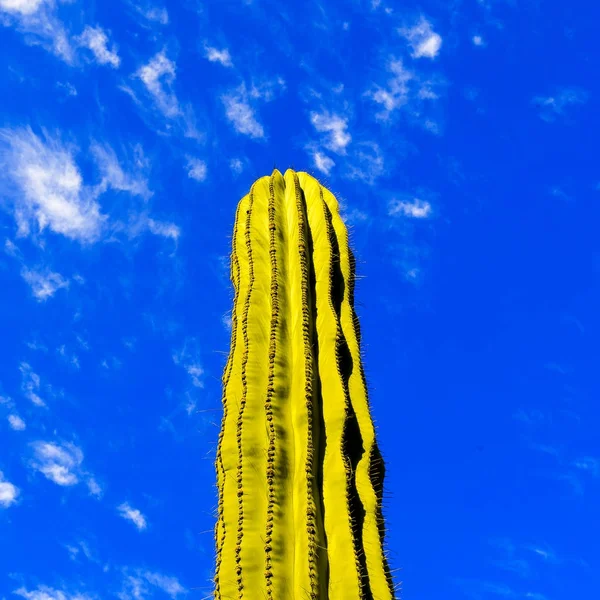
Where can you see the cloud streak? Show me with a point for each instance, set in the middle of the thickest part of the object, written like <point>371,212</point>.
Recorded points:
<point>44,284</point>
<point>132,514</point>
<point>96,40</point>
<point>556,106</point>
<point>47,186</point>
<point>425,43</point>
<point>8,492</point>
<point>158,76</point>
<point>60,463</point>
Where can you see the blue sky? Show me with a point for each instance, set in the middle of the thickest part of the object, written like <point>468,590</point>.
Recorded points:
<point>458,136</point>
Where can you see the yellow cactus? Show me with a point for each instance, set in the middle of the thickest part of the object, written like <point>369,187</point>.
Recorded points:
<point>299,474</point>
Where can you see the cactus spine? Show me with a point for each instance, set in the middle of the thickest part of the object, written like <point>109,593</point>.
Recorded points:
<point>299,473</point>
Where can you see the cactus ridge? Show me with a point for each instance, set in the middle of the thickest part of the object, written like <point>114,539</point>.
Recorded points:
<point>220,524</point>
<point>298,467</point>
<point>270,392</point>
<point>240,419</point>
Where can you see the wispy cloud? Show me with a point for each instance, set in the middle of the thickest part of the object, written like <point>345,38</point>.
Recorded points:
<point>408,91</point>
<point>8,492</point>
<point>366,162</point>
<point>158,76</point>
<point>423,40</point>
<point>196,169</point>
<point>335,129</point>
<point>544,552</point>
<point>415,208</point>
<point>322,162</point>
<point>154,14</point>
<point>266,89</point>
<point>221,56</point>
<point>44,592</point>
<point>47,191</point>
<point>480,590</point>
<point>47,186</point>
<point>60,463</point>
<point>113,176</point>
<point>241,115</point>
<point>530,416</point>
<point>44,284</point>
<point>589,465</point>
<point>94,487</point>
<point>236,166</point>
<point>30,384</point>
<point>396,93</point>
<point>239,104</point>
<point>189,358</point>
<point>163,228</point>
<point>16,422</point>
<point>96,40</point>
<point>133,515</point>
<point>37,19</point>
<point>22,7</point>
<point>140,583</point>
<point>557,105</point>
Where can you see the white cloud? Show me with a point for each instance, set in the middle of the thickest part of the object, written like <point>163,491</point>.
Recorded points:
<point>267,89</point>
<point>8,492</point>
<point>241,114</point>
<point>418,209</point>
<point>367,163</point>
<point>397,92</point>
<point>478,40</point>
<point>23,7</point>
<point>94,487</point>
<point>96,40</point>
<point>589,464</point>
<point>237,166</point>
<point>37,20</point>
<point>545,553</point>
<point>154,14</point>
<point>354,216</point>
<point>11,248</point>
<point>169,585</point>
<point>30,384</point>
<point>323,162</point>
<point>163,228</point>
<point>196,169</point>
<point>335,127</point>
<point>133,515</point>
<point>423,40</point>
<point>137,586</point>
<point>556,105</point>
<point>114,177</point>
<point>49,187</point>
<point>220,56</point>
<point>69,357</point>
<point>44,592</point>
<point>140,223</point>
<point>16,422</point>
<point>60,463</point>
<point>226,320</point>
<point>44,284</point>
<point>189,358</point>
<point>158,76</point>
<point>68,88</point>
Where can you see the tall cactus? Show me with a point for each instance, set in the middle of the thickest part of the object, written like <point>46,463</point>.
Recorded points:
<point>299,473</point>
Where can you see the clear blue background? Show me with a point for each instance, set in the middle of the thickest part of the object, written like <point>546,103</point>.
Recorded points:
<point>460,138</point>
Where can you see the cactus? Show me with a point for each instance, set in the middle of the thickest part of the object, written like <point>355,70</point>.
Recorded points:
<point>299,473</point>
